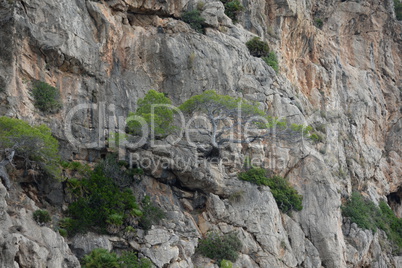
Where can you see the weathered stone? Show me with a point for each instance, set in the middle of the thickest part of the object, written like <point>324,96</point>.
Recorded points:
<point>83,244</point>
<point>214,14</point>
<point>157,236</point>
<point>161,254</point>
<point>23,243</point>
<point>344,76</point>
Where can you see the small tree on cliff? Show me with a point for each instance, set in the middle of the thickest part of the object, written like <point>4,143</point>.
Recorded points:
<point>224,119</point>
<point>155,109</point>
<point>35,146</point>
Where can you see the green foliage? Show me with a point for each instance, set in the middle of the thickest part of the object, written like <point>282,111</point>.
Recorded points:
<point>285,195</point>
<point>41,216</point>
<point>272,61</point>
<point>257,47</point>
<point>35,145</point>
<point>67,223</point>
<point>136,212</point>
<point>195,20</point>
<point>255,175</point>
<point>129,229</point>
<point>303,130</point>
<point>220,247</point>
<point>99,201</point>
<point>232,9</point>
<point>76,166</point>
<point>367,215</point>
<point>130,260</point>
<point>158,118</point>
<point>209,101</point>
<point>226,264</point>
<point>102,258</point>
<point>47,98</point>
<point>318,23</point>
<point>116,219</point>
<point>63,232</point>
<point>316,137</point>
<point>151,214</point>
<point>228,115</point>
<point>398,9</point>
<point>118,171</point>
<point>361,211</point>
<point>392,226</point>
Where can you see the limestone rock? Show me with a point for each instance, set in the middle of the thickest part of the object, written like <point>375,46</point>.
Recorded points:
<point>83,244</point>
<point>214,14</point>
<point>24,243</point>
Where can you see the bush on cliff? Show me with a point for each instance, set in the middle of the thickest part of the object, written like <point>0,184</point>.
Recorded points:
<point>156,112</point>
<point>102,258</point>
<point>47,98</point>
<point>232,8</point>
<point>34,145</point>
<point>194,19</point>
<point>257,47</point>
<point>272,60</point>
<point>285,195</point>
<point>367,215</point>
<point>98,202</point>
<point>220,247</point>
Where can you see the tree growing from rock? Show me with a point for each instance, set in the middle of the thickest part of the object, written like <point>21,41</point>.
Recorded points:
<point>225,119</point>
<point>155,109</point>
<point>34,145</point>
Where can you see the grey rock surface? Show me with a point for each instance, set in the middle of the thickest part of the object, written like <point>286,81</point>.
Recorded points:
<point>342,79</point>
<point>24,243</point>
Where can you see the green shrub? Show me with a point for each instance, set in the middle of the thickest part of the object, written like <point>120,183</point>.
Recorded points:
<point>226,264</point>
<point>255,175</point>
<point>102,258</point>
<point>272,61</point>
<point>232,9</point>
<point>83,169</point>
<point>137,212</point>
<point>67,223</point>
<point>220,247</point>
<point>47,98</point>
<point>367,215</point>
<point>99,201</point>
<point>41,216</point>
<point>63,232</point>
<point>130,229</point>
<point>257,47</point>
<point>398,9</point>
<point>151,214</point>
<point>35,145</point>
<point>195,20</point>
<point>361,211</point>
<point>130,260</point>
<point>318,23</point>
<point>285,195</point>
<point>118,171</point>
<point>316,137</point>
<point>116,219</point>
<point>161,116</point>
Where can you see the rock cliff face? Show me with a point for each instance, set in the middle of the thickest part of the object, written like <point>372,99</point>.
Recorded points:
<point>343,79</point>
